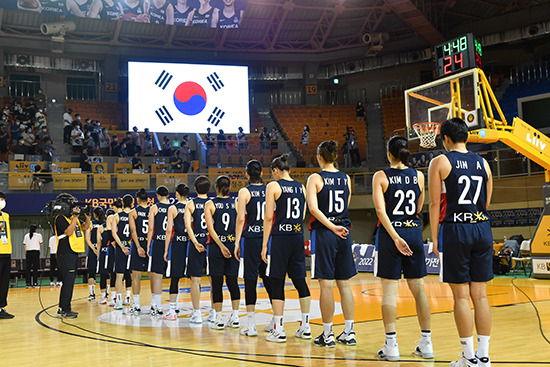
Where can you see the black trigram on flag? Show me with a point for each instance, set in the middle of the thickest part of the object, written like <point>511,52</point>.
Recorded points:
<point>216,116</point>
<point>215,81</point>
<point>163,79</point>
<point>164,115</point>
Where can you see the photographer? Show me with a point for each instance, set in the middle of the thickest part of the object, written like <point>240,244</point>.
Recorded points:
<point>69,232</point>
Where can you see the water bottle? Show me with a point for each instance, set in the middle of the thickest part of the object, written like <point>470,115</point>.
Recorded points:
<point>14,169</point>
<point>504,239</point>
<point>124,171</point>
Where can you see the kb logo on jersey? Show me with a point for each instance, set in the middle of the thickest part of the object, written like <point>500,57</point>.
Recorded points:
<point>469,217</point>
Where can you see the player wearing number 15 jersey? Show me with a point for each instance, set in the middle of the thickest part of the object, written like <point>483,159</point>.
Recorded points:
<point>139,227</point>
<point>328,194</point>
<point>398,195</point>
<point>464,240</point>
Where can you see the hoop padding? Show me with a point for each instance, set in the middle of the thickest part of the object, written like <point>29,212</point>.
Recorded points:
<point>427,132</point>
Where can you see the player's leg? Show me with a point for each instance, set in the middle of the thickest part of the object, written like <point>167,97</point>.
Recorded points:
<point>463,318</point>
<point>278,333</point>
<point>136,290</point>
<point>483,320</point>
<point>216,282</point>
<point>91,280</point>
<point>231,270</point>
<point>296,269</point>
<point>128,285</point>
<point>196,299</point>
<point>423,311</point>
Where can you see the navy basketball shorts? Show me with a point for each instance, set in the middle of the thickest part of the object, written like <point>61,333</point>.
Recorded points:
<point>156,257</point>
<point>138,263</point>
<point>251,258</point>
<point>466,251</point>
<point>122,261</point>
<point>286,255</point>
<point>221,265</point>
<point>111,259</point>
<point>91,263</point>
<point>197,261</point>
<point>331,256</point>
<point>177,253</point>
<point>389,263</point>
<point>101,261</point>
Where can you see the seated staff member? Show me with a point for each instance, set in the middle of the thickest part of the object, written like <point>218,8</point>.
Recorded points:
<point>328,196</point>
<point>195,224</point>
<point>103,248</point>
<point>250,225</point>
<point>111,253</point>
<point>139,226</point>
<point>5,258</point>
<point>120,228</point>
<point>398,195</point>
<point>283,246</point>
<point>175,247</point>
<point>158,216</point>
<point>71,241</point>
<point>92,255</point>
<point>221,216</point>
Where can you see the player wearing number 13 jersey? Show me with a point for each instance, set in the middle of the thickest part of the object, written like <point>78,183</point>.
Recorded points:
<point>464,240</point>
<point>328,195</point>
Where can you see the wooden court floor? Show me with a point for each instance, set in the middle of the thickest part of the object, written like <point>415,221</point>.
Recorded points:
<point>103,337</point>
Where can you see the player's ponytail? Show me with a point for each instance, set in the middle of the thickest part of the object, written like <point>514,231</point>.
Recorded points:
<point>162,191</point>
<point>99,214</point>
<point>328,150</point>
<point>281,163</point>
<point>142,195</point>
<point>223,184</point>
<point>183,190</point>
<point>127,201</point>
<point>254,170</point>
<point>32,230</point>
<point>399,148</point>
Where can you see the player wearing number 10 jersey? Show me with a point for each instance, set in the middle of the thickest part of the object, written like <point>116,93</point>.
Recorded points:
<point>465,239</point>
<point>398,195</point>
<point>139,227</point>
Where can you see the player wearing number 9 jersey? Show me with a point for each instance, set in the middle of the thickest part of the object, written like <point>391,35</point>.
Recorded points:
<point>221,216</point>
<point>120,228</point>
<point>284,252</point>
<point>328,194</point>
<point>197,260</point>
<point>139,227</point>
<point>464,240</point>
<point>158,216</point>
<point>398,195</point>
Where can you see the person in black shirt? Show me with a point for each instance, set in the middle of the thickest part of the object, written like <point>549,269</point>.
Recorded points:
<point>115,147</point>
<point>136,162</point>
<point>20,148</point>
<point>175,162</point>
<point>130,144</point>
<point>85,164</point>
<point>68,230</point>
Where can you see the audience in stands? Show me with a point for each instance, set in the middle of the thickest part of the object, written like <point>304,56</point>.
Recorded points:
<point>176,164</point>
<point>47,149</point>
<point>20,148</point>
<point>136,162</point>
<point>88,142</point>
<point>148,146</point>
<point>274,138</point>
<point>222,141</point>
<point>185,156</point>
<point>104,142</point>
<point>137,140</point>
<point>130,144</point>
<point>360,111</point>
<point>15,132</point>
<point>241,139</point>
<point>4,142</point>
<point>41,100</point>
<point>67,126</point>
<point>166,147</point>
<point>210,140</point>
<point>264,137</point>
<point>115,147</point>
<point>29,140</point>
<point>77,138</point>
<point>305,135</point>
<point>85,164</point>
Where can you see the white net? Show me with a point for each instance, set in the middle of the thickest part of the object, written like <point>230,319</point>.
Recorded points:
<point>427,132</point>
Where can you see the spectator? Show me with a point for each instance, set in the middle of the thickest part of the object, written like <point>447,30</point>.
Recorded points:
<point>305,135</point>
<point>422,162</point>
<point>53,262</point>
<point>29,140</point>
<point>41,100</point>
<point>185,156</point>
<point>43,134</point>
<point>78,120</point>
<point>94,133</point>
<point>32,242</point>
<point>77,138</point>
<point>20,148</point>
<point>222,141</point>
<point>241,139</point>
<point>44,178</point>
<point>166,147</point>
<point>264,139</point>
<point>104,142</point>
<point>186,139</point>
<point>274,137</point>
<point>148,146</point>
<point>85,164</point>
<point>230,142</point>
<point>123,151</point>
<point>137,140</point>
<point>130,145</point>
<point>176,163</point>
<point>210,140</point>
<point>88,143</point>
<point>47,150</point>
<point>40,119</point>
<point>115,147</point>
<point>360,111</point>
<point>15,131</point>
<point>136,162</point>
<point>4,142</point>
<point>354,149</point>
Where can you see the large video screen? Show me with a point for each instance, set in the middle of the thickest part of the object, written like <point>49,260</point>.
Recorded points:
<point>188,98</point>
<point>195,13</point>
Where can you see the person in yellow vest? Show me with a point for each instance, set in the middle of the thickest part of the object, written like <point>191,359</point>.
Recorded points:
<point>5,258</point>
<point>70,234</point>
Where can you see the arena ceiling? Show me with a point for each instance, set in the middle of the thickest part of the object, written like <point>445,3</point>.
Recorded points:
<point>329,29</point>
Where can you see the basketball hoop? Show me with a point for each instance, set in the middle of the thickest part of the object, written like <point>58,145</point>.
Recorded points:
<point>427,132</point>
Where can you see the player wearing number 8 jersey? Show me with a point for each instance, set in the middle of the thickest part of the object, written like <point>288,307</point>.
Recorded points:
<point>283,246</point>
<point>464,240</point>
<point>139,227</point>
<point>158,216</point>
<point>398,194</point>
<point>328,194</point>
<point>120,228</point>
<point>197,260</point>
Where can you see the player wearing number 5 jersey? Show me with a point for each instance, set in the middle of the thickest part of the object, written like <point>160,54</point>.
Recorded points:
<point>120,228</point>
<point>398,195</point>
<point>328,194</point>
<point>221,215</point>
<point>139,227</point>
<point>250,227</point>
<point>158,216</point>
<point>284,253</point>
<point>195,224</point>
<point>464,240</point>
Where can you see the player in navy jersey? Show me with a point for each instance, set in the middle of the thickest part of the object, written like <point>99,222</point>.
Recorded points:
<point>221,216</point>
<point>398,195</point>
<point>175,247</point>
<point>230,17</point>
<point>92,255</point>
<point>158,222</point>
<point>58,7</point>
<point>464,240</point>
<point>195,224</point>
<point>120,228</point>
<point>283,246</point>
<point>135,10</point>
<point>248,241</point>
<point>328,194</point>
<point>205,15</point>
<point>102,246</point>
<point>105,9</point>
<point>116,208</point>
<point>182,12</point>
<point>79,8</point>
<point>139,227</point>
<point>161,12</point>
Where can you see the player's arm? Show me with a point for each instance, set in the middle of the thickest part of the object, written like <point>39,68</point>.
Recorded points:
<point>489,183</point>
<point>188,219</point>
<point>170,14</point>
<point>379,186</point>
<point>172,213</point>
<point>349,187</point>
<point>189,18</point>
<point>152,212</point>
<point>421,186</point>
<point>434,186</point>
<point>95,9</point>
<point>242,199</point>
<point>99,237</point>
<point>209,210</point>
<point>88,238</point>
<point>314,185</point>
<point>272,192</point>
<point>305,201</point>
<point>215,18</point>
<point>74,9</point>
<point>114,232</point>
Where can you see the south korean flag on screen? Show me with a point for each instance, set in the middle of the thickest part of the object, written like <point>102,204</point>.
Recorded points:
<point>188,98</point>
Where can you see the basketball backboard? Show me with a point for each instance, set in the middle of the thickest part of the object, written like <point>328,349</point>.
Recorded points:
<point>454,96</point>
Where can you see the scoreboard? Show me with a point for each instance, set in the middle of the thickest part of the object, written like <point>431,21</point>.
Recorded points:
<point>457,55</point>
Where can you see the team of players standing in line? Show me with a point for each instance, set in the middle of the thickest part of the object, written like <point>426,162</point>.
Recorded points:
<point>261,234</point>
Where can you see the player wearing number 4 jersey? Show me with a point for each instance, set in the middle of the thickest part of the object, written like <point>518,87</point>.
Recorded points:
<point>328,194</point>
<point>120,228</point>
<point>398,194</point>
<point>139,227</point>
<point>464,240</point>
<point>158,216</point>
